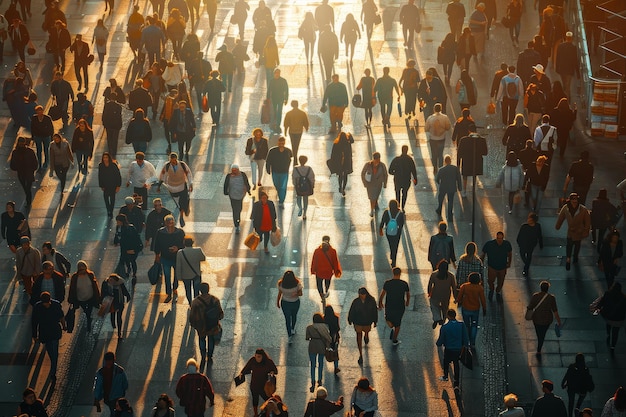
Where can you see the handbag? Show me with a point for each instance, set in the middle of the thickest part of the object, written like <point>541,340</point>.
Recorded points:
<point>467,357</point>
<point>252,241</point>
<point>368,176</point>
<point>70,319</point>
<point>491,108</point>
<point>239,379</point>
<point>357,100</point>
<point>120,269</point>
<point>154,273</point>
<point>530,312</point>
<point>276,237</point>
<point>378,19</point>
<point>270,385</point>
<point>331,354</point>
<point>105,306</point>
<point>196,275</point>
<point>205,104</point>
<point>506,22</point>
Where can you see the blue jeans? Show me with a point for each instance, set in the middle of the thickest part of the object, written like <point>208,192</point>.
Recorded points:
<point>168,265</point>
<point>436,152</point>
<point>278,115</point>
<point>140,146</point>
<point>470,318</point>
<point>52,347</point>
<point>227,80</point>
<point>320,366</point>
<point>196,288</point>
<point>202,341</point>
<point>290,310</point>
<point>82,159</point>
<point>536,194</point>
<point>280,180</point>
<point>43,144</point>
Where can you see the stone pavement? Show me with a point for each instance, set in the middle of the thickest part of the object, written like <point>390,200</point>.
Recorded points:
<point>158,341</point>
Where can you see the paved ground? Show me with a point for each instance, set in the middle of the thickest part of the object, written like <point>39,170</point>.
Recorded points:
<point>158,340</point>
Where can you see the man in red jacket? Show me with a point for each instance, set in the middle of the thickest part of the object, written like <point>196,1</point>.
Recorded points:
<point>324,265</point>
<point>192,389</point>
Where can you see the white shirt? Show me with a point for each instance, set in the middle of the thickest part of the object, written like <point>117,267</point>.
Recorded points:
<point>138,175</point>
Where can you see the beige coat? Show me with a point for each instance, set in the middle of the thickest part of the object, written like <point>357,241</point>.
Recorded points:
<point>578,225</point>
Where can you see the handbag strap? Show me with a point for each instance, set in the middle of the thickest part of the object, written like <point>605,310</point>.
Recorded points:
<point>329,261</point>
<point>189,263</point>
<point>540,301</point>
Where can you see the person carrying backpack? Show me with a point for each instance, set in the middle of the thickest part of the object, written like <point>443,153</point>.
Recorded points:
<point>303,179</point>
<point>509,93</point>
<point>392,223</point>
<point>545,137</point>
<point>206,313</point>
<point>441,247</point>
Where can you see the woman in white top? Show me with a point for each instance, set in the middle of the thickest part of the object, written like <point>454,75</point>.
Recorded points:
<point>510,400</point>
<point>288,299</point>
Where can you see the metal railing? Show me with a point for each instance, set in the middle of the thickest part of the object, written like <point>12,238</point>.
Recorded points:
<point>574,18</point>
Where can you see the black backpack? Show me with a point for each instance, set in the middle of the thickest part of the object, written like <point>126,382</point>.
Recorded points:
<point>303,183</point>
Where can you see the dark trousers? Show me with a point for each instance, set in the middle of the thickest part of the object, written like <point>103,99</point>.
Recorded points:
<point>27,184</point>
<point>402,190</point>
<point>343,181</point>
<point>410,99</point>
<point>611,335</point>
<point>408,32</point>
<point>59,58</point>
<point>440,197</point>
<point>116,320</point>
<point>265,238</point>
<point>527,256</point>
<point>322,284</point>
<point>216,111</point>
<point>109,200</point>
<point>451,355</point>
<point>295,144</point>
<point>575,244</point>
<point>206,344</point>
<point>183,200</point>
<point>130,262</point>
<point>582,192</point>
<point>308,49</point>
<point>328,62</point>
<point>61,173</point>
<point>184,143</point>
<point>52,348</point>
<point>143,192</point>
<point>77,71</point>
<point>597,235</point>
<point>112,140</point>
<point>394,242</point>
<point>447,70</point>
<point>290,311</point>
<point>508,107</point>
<point>236,205</point>
<point>571,396</point>
<point>192,288</point>
<point>42,144</point>
<point>386,106</point>
<point>87,307</point>
<point>541,330</point>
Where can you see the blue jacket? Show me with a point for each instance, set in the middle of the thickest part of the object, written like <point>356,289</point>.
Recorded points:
<point>118,387</point>
<point>453,335</point>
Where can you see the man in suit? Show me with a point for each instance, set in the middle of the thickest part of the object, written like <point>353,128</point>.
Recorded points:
<point>566,62</point>
<point>449,180</point>
<point>81,61</point>
<point>410,20</point>
<point>59,41</point>
<point>139,97</point>
<point>19,37</point>
<point>183,128</point>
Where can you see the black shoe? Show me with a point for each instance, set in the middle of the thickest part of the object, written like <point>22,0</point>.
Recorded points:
<point>499,297</point>
<point>490,295</point>
<point>567,266</point>
<point>366,339</point>
<point>435,324</point>
<point>360,361</point>
<point>391,334</point>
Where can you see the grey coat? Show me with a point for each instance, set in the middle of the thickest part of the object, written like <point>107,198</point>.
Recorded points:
<point>60,155</point>
<point>377,182</point>
<point>319,338</point>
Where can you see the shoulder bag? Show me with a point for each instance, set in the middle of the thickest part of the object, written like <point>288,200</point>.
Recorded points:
<point>196,275</point>
<point>530,312</point>
<point>335,271</point>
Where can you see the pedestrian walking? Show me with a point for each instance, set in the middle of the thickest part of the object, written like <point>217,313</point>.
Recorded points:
<point>24,162</point>
<point>41,129</point>
<point>288,299</point>
<point>236,186</point>
<point>164,407</point>
<point>364,398</point>
<point>563,118</point>
<point>410,22</point>
<point>366,86</point>
<point>392,223</point>
<point>549,405</point>
<point>535,104</point>
<point>465,49</point>
<point>528,59</point>
<point>336,96</point>
<point>213,89</point>
<point>114,286</point>
<point>430,92</point>
<point>384,91</point>
<point>478,24</point>
<point>109,181</point>
<point>240,15</point>
<point>602,216</point>
<point>510,91</point>
<point>31,405</point>
<point>155,221</point>
<point>448,179</point>
<point>578,226</point>
<point>453,337</point>
<point>456,16</point>
<point>193,388</point>
<point>511,179</point>
<point>325,15</point>
<point>409,82</point>
<point>130,243</point>
<point>264,219</point>
<point>296,121</point>
<point>112,122</point>
<point>374,177</point>
<point>303,179</point>
<point>27,263</point>
<point>446,53</point>
<point>324,265</point>
<point>141,173</point>
<point>541,80</point>
<point>543,306</point>
<point>320,406</point>
<point>81,52</point>
<point>469,262</point>
<point>306,33</point>
<point>615,405</point>
<point>581,172</point>
<point>528,237</point>
<point>514,13</point>
<point>613,310</point>
<point>340,162</point>
<point>133,34</point>
<point>566,62</point>
<point>261,366</point>
<point>510,402</point>
<point>257,149</point>
<point>441,246</point>
<point>470,298</point>
<point>178,180</point>
<point>370,17</point>
<point>402,168</point>
<point>278,94</point>
<point>167,241</point>
<point>499,253</point>
<point>610,253</point>
<point>441,285</point>
<point>363,314</point>
<point>60,263</point>
<point>84,291</point>
<point>59,40</point>
<point>14,226</point>
<point>48,322</point>
<point>62,92</point>
<point>516,135</point>
<point>100,37</point>
<point>205,315</point>
<point>332,321</point>
<point>319,339</point>
<point>463,126</point>
<point>327,49</point>
<point>437,126</point>
<point>82,146</point>
<point>349,34</point>
<point>188,268</point>
<point>138,131</point>
<point>466,91</point>
<point>397,296</point>
<point>183,128</point>
<point>133,213</point>
<point>277,164</point>
<point>577,380</point>
<point>18,33</point>
<point>545,138</point>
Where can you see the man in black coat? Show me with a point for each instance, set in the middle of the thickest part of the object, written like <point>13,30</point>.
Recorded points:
<point>526,59</point>
<point>62,92</point>
<point>49,278</point>
<point>18,33</point>
<point>112,122</point>
<point>59,41</point>
<point>183,128</point>
<point>410,20</point>
<point>46,316</point>
<point>81,61</point>
<point>566,62</point>
<point>549,405</point>
<point>24,162</point>
<point>402,168</point>
<point>139,98</point>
